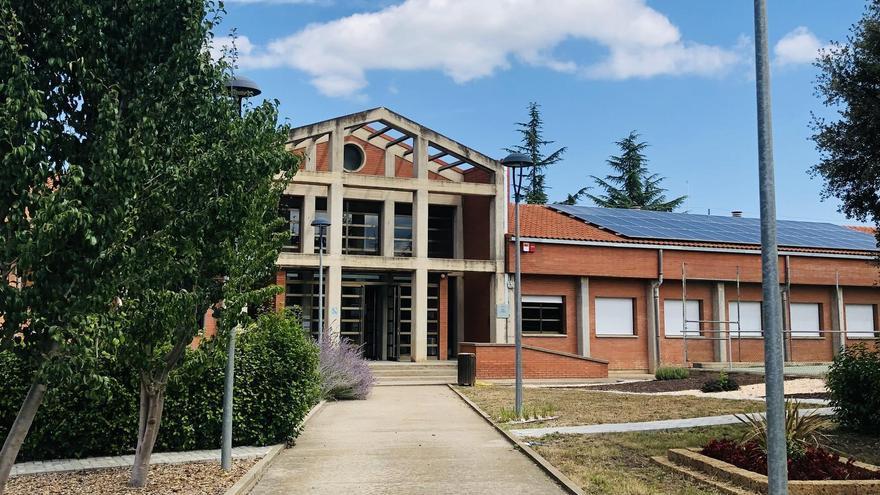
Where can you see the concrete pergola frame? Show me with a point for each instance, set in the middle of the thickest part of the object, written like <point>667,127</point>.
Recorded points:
<point>374,126</point>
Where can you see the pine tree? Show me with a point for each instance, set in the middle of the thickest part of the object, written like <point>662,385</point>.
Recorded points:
<point>633,186</point>
<point>533,144</point>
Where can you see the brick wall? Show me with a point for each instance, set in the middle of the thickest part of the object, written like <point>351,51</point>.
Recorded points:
<point>542,285</point>
<point>496,361</point>
<point>699,349</point>
<point>622,353</point>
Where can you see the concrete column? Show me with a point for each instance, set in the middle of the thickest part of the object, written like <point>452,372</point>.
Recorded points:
<point>420,158</point>
<point>419,351</point>
<point>420,223</point>
<point>333,302</point>
<point>583,316</point>
<point>388,228</point>
<point>499,326</point>
<point>308,232</point>
<point>458,232</point>
<point>459,313</point>
<point>390,163</point>
<point>334,214</point>
<point>654,357</point>
<point>838,320</point>
<point>311,158</point>
<point>335,153</point>
<point>721,330</point>
<point>498,226</point>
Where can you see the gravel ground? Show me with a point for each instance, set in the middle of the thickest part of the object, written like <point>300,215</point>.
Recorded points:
<point>758,390</point>
<point>196,478</point>
<point>693,382</point>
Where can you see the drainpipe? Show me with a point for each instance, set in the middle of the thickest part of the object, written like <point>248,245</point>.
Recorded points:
<point>655,295</point>
<point>786,310</point>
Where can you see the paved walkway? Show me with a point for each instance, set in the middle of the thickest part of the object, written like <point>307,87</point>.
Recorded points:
<point>128,460</point>
<point>406,440</point>
<point>645,425</point>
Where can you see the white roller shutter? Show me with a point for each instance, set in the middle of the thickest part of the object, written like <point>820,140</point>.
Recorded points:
<point>614,316</point>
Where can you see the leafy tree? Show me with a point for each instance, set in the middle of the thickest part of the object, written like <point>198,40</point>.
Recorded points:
<point>132,191</point>
<point>848,83</point>
<point>633,186</point>
<point>533,144</point>
<point>572,199</point>
<point>67,149</point>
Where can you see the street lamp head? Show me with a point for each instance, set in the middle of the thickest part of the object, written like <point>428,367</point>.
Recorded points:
<point>320,222</point>
<point>517,160</point>
<point>242,87</point>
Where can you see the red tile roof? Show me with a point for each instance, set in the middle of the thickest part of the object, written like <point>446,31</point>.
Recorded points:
<point>863,228</point>
<point>541,222</point>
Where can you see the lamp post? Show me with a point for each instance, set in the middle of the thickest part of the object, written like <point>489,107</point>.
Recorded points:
<point>774,360</point>
<point>517,163</point>
<point>321,224</point>
<point>239,88</point>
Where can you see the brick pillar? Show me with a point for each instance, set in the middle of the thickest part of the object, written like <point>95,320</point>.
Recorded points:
<point>281,280</point>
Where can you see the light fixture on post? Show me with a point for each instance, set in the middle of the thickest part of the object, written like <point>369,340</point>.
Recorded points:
<point>321,224</point>
<point>239,88</point>
<point>518,163</point>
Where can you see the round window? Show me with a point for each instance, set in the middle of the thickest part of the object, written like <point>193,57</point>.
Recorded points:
<point>353,158</point>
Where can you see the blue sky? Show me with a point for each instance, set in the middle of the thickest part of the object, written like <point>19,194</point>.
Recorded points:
<point>680,72</point>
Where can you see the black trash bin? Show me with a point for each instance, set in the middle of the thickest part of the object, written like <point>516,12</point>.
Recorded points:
<point>467,369</point>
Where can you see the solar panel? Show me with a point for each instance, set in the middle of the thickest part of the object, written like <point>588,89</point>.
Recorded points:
<point>644,224</point>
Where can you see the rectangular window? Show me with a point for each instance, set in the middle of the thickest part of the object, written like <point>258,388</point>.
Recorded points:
<point>403,233</point>
<point>805,320</point>
<point>321,211</point>
<point>860,321</point>
<point>672,319</point>
<point>290,209</point>
<point>749,320</point>
<point>441,231</point>
<point>543,314</point>
<point>361,222</point>
<point>614,316</point>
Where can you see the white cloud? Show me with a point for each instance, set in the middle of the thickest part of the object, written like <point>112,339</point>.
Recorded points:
<point>468,40</point>
<point>220,44</point>
<point>799,46</point>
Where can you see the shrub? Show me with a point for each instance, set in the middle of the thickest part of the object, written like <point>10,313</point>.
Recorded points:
<point>853,383</point>
<point>276,382</point>
<point>345,374</point>
<point>724,383</point>
<point>801,430</point>
<point>671,373</point>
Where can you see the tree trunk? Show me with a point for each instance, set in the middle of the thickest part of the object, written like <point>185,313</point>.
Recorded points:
<point>19,431</point>
<point>149,417</point>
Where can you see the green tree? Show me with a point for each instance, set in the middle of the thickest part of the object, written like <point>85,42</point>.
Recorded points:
<point>533,144</point>
<point>848,84</point>
<point>66,154</point>
<point>632,185</point>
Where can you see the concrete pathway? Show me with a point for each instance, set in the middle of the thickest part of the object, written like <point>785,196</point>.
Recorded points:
<point>645,425</point>
<point>406,440</point>
<point>59,465</point>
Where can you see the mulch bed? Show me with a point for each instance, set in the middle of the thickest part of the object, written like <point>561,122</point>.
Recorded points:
<point>693,382</point>
<point>195,478</point>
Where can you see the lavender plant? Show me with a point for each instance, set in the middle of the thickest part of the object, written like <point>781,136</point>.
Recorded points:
<point>345,374</point>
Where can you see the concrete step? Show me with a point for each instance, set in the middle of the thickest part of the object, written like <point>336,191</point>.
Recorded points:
<point>411,372</point>
<point>416,380</point>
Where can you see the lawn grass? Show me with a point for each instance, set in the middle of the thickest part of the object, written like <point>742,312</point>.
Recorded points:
<point>620,463</point>
<point>576,406</point>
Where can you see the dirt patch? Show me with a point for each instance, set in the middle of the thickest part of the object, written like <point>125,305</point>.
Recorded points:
<point>195,478</point>
<point>693,382</point>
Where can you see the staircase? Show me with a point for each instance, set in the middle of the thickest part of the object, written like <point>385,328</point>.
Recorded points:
<point>408,373</point>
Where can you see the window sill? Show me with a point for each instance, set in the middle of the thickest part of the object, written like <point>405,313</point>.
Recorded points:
<point>862,337</point>
<point>689,337</point>
<point>807,337</point>
<point>607,336</point>
<point>548,335</point>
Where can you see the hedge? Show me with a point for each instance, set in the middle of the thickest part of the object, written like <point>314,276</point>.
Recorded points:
<point>276,382</point>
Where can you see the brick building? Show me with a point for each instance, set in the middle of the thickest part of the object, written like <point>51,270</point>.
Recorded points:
<point>417,267</point>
